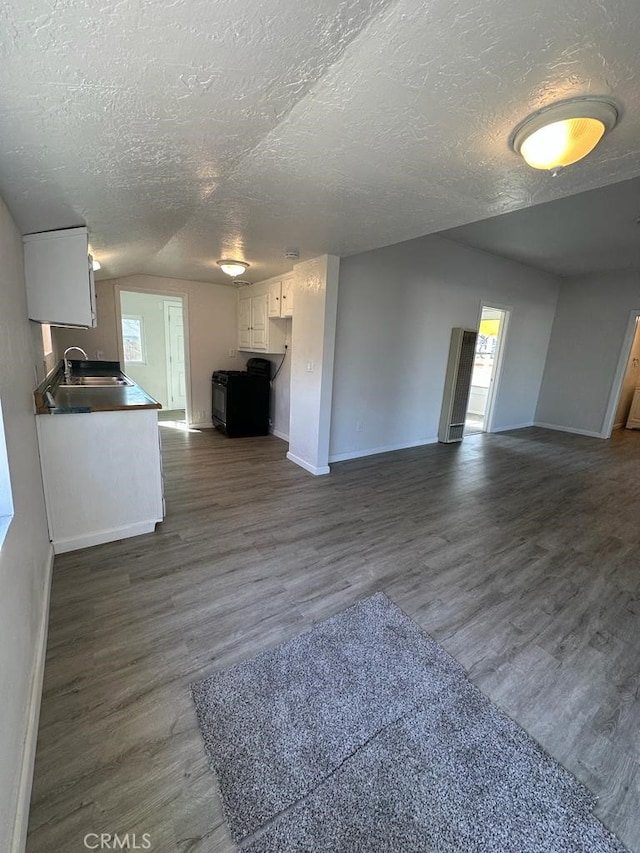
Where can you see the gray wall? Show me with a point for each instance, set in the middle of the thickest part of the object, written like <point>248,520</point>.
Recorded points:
<point>25,555</point>
<point>396,309</point>
<point>586,343</point>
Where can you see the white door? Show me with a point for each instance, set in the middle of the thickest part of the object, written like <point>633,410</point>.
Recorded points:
<point>174,326</point>
<point>486,369</point>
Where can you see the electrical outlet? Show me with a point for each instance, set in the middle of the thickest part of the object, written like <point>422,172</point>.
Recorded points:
<point>100,355</point>
<point>310,367</point>
<point>232,353</point>
<point>359,426</point>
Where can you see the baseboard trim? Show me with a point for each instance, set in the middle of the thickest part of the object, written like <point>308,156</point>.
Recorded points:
<point>589,433</point>
<point>513,426</point>
<point>61,546</point>
<point>279,434</point>
<point>203,425</point>
<point>21,822</point>
<point>307,466</point>
<point>373,451</point>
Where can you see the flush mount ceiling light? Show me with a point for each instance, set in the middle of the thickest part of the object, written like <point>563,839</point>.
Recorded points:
<point>563,133</point>
<point>233,268</point>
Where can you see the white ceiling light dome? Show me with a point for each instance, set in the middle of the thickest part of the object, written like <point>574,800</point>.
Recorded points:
<point>233,268</point>
<point>563,133</point>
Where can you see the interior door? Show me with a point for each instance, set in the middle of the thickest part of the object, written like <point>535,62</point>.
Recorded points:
<point>176,385</point>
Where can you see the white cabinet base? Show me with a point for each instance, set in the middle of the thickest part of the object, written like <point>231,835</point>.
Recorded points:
<point>102,476</point>
<point>61,546</point>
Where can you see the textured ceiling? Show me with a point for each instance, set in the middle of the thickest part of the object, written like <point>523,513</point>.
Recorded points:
<point>186,131</point>
<point>595,231</point>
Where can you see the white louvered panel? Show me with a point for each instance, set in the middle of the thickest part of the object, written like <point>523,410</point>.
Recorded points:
<point>457,385</point>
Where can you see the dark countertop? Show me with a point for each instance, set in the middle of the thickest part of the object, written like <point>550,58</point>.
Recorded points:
<point>53,399</point>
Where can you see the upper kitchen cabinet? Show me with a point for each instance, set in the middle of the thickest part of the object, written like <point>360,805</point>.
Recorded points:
<point>286,298</point>
<point>59,278</point>
<point>274,299</point>
<point>257,332</point>
<point>280,295</point>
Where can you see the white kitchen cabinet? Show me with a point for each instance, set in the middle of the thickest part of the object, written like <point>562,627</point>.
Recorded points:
<point>259,314</point>
<point>59,278</point>
<point>633,421</point>
<point>102,476</point>
<point>286,301</point>
<point>274,295</point>
<point>257,332</point>
<point>244,323</point>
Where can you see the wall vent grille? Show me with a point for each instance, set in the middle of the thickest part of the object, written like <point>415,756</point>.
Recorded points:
<point>457,385</point>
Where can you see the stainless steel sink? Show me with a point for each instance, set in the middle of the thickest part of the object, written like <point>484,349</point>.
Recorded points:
<point>95,382</point>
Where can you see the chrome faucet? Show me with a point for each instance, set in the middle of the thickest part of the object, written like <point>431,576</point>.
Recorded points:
<point>67,361</point>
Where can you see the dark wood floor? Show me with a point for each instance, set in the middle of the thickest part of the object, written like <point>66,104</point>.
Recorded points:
<point>519,552</point>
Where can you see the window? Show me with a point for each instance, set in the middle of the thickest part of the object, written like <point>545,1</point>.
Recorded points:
<point>133,339</point>
<point>6,497</point>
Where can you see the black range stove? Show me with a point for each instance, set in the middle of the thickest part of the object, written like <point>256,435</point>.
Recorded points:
<point>240,399</point>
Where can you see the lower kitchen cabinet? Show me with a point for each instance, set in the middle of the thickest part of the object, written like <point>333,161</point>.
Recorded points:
<point>102,476</point>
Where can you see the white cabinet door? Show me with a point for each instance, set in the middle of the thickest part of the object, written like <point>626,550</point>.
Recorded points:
<point>257,331</point>
<point>274,295</point>
<point>259,309</point>
<point>59,278</point>
<point>244,323</point>
<point>286,308</point>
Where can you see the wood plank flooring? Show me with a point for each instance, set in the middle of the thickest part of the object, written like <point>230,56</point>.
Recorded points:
<point>519,552</point>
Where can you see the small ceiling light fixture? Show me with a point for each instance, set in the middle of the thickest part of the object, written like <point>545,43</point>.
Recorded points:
<point>96,265</point>
<point>563,133</point>
<point>233,268</point>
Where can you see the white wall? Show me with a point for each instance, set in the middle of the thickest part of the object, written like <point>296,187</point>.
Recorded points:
<point>590,324</point>
<point>211,323</point>
<point>281,390</point>
<point>396,309</point>
<point>25,555</point>
<point>313,345</point>
<point>152,376</point>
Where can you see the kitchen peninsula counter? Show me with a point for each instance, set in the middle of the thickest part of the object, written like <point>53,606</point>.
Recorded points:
<point>101,463</point>
<point>52,397</point>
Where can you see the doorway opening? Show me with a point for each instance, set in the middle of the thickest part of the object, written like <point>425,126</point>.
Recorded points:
<point>154,348</point>
<point>486,368</point>
<point>627,411</point>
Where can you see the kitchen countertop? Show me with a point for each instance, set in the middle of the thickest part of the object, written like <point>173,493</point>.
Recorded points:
<point>53,399</point>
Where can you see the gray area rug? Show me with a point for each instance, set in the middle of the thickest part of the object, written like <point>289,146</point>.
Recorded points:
<point>365,735</point>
